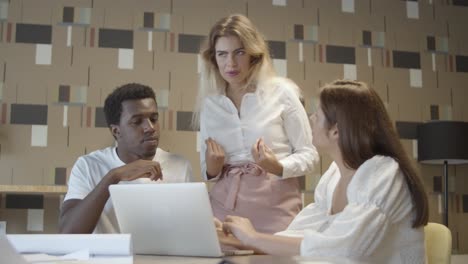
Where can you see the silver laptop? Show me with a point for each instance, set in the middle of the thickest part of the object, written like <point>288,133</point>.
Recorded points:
<point>168,219</point>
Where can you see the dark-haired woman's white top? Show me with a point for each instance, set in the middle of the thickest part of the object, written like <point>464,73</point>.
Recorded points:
<point>376,223</point>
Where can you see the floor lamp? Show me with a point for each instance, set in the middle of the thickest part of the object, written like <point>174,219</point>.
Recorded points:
<point>443,142</point>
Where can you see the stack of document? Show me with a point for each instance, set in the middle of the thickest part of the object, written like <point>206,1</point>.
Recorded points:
<point>80,248</point>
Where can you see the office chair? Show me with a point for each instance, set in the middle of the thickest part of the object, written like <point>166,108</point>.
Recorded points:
<point>438,243</point>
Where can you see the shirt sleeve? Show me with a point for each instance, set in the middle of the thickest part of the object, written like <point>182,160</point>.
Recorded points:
<point>378,199</point>
<point>314,216</point>
<point>79,185</point>
<point>304,156</point>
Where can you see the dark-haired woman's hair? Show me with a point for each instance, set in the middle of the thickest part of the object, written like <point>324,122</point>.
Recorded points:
<point>369,131</point>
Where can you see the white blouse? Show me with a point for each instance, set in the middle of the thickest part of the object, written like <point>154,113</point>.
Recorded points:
<point>376,223</point>
<point>274,114</point>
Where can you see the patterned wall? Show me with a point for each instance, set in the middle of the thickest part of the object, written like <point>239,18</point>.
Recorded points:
<point>60,59</point>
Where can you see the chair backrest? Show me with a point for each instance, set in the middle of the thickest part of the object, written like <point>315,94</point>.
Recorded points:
<point>438,241</point>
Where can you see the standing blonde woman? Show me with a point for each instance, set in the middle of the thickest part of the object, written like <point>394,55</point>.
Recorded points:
<point>256,138</point>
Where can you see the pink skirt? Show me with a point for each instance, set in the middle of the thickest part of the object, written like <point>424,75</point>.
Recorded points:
<point>249,191</point>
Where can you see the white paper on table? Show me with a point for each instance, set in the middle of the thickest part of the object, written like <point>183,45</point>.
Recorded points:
<point>49,259</point>
<point>40,258</point>
<point>58,244</point>
<point>8,253</point>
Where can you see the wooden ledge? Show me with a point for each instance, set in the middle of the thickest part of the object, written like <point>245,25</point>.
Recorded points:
<point>34,189</point>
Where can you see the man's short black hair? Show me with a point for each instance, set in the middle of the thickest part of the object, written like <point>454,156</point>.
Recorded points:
<point>129,91</point>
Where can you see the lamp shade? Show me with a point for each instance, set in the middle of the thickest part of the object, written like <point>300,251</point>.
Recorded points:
<point>440,141</point>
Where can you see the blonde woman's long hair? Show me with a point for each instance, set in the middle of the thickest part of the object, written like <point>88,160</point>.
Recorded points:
<point>261,68</point>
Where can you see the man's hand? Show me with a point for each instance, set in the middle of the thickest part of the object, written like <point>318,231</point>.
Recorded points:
<point>266,158</point>
<point>214,158</point>
<point>138,169</point>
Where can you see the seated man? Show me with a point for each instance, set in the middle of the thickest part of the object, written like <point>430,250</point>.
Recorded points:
<point>132,116</point>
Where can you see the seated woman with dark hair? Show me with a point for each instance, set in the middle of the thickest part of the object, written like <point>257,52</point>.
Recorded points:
<point>370,203</point>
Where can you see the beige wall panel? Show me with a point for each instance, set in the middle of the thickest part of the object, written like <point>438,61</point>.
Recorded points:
<point>51,213</point>
<point>198,22</point>
<point>75,116</point>
<point>458,113</point>
<point>392,110</point>
<point>364,74</point>
<point>90,138</point>
<point>310,52</point>
<point>85,56</point>
<point>185,86</point>
<point>395,79</point>
<point>61,54</point>
<point>426,67</point>
<point>75,76</point>
<point>49,172</point>
<point>269,3</point>
<point>60,156</point>
<point>326,72</point>
<point>148,5</point>
<point>345,34</point>
<point>405,94</point>
<point>457,83</point>
<point>461,180</point>
<point>80,36</point>
<point>434,28</point>
<point>143,58</point>
<point>38,12</point>
<point>183,143</point>
<point>450,13</point>
<point>409,112</point>
<point>55,121</point>
<point>6,171</point>
<point>20,54</point>
<point>426,11</point>
<point>441,61</point>
<point>215,9</point>
<point>98,15</point>
<point>181,62</point>
<point>103,86</point>
<point>186,7</point>
<point>27,173</point>
<point>316,4</point>
<point>9,95</point>
<point>462,231</point>
<point>458,38</point>
<point>161,42</point>
<point>119,18</point>
<point>15,12</point>
<point>434,215</point>
<point>299,15</point>
<point>410,39</point>
<point>16,220</point>
<point>32,91</point>
<point>271,26</point>
<point>16,142</point>
<point>177,26</point>
<point>427,173</point>
<point>361,56</point>
<point>381,9</point>
<point>295,68</point>
<point>407,146</point>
